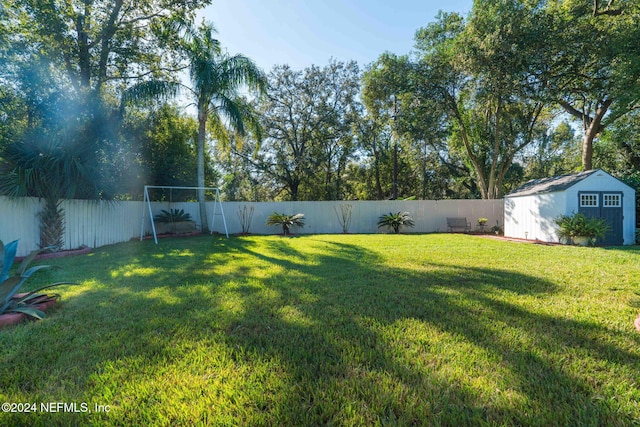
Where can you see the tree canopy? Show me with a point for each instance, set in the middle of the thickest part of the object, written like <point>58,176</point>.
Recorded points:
<point>513,91</point>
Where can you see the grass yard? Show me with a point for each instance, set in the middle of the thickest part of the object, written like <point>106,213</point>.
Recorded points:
<point>333,329</point>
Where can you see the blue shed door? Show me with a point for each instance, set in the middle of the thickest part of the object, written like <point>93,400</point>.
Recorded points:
<point>607,205</point>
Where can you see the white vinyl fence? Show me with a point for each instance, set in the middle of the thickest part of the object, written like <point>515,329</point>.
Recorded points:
<point>96,224</point>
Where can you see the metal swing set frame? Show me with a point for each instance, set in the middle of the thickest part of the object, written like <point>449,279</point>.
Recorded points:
<point>147,200</point>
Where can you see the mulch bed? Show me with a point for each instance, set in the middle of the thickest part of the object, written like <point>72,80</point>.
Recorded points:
<point>166,235</point>
<point>514,239</point>
<point>82,250</point>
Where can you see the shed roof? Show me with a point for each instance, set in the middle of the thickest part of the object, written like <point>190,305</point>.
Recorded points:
<point>551,185</point>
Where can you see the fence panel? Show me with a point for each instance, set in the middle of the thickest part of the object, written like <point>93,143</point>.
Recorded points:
<point>96,224</point>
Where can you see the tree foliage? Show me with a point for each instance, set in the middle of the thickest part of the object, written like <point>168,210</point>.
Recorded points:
<point>92,45</point>
<point>592,60</point>
<point>385,83</point>
<point>307,117</point>
<point>476,74</point>
<point>216,81</point>
<point>52,164</point>
<point>160,149</point>
<point>481,104</point>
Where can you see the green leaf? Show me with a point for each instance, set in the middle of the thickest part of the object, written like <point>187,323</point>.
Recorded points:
<point>33,293</point>
<point>9,287</point>
<point>32,270</point>
<point>8,256</point>
<point>25,262</point>
<point>29,311</point>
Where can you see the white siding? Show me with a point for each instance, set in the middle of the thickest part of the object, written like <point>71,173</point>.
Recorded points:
<point>532,217</point>
<point>97,224</point>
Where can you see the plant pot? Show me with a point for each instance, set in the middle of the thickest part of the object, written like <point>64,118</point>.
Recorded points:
<point>41,303</point>
<point>582,240</point>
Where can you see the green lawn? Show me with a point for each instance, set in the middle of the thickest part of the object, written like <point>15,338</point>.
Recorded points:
<point>333,329</point>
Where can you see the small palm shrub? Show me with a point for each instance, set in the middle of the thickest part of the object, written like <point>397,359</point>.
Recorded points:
<point>174,215</point>
<point>286,221</point>
<point>9,286</point>
<point>396,221</point>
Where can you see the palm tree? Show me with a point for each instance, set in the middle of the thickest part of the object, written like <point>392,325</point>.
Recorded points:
<point>52,164</point>
<point>216,81</point>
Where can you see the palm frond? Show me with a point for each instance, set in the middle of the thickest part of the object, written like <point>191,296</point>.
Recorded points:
<point>240,70</point>
<point>150,91</point>
<point>232,110</point>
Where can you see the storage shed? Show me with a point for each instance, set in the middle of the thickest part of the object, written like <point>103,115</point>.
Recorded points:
<point>530,211</point>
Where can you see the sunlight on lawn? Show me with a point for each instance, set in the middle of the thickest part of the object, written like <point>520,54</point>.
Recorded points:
<point>130,271</point>
<point>332,329</point>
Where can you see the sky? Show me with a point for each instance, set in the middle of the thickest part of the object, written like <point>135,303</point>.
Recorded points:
<point>302,33</point>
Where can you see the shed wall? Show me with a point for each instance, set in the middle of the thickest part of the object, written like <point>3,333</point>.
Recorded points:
<point>602,181</point>
<point>532,217</point>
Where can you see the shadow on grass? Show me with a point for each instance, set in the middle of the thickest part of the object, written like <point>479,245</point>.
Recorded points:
<point>316,333</point>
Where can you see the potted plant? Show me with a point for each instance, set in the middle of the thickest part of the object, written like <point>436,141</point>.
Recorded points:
<point>174,221</point>
<point>482,222</point>
<point>580,229</point>
<point>286,221</point>
<point>14,306</point>
<point>396,221</point>
<point>497,230</point>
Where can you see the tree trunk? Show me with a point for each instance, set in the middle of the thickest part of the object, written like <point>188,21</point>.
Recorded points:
<point>493,190</point>
<point>592,127</point>
<point>376,171</point>
<point>482,180</point>
<point>51,225</point>
<point>293,189</point>
<point>591,130</point>
<point>202,128</point>
<point>394,188</point>
<point>480,173</point>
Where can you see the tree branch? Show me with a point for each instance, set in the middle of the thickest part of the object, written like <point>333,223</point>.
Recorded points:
<point>573,111</point>
<point>145,74</point>
<point>607,10</point>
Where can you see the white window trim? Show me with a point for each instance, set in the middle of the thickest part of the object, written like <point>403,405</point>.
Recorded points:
<point>612,197</point>
<point>590,197</point>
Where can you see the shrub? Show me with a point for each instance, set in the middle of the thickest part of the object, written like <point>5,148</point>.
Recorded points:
<point>286,221</point>
<point>344,216</point>
<point>245,216</point>
<point>396,221</point>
